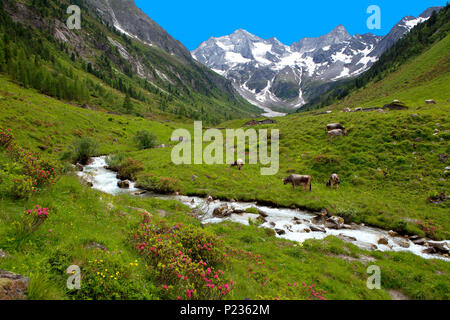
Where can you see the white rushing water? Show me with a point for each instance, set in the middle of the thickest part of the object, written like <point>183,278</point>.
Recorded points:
<point>292,221</point>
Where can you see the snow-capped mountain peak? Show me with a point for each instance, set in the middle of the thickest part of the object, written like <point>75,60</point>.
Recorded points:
<point>271,74</point>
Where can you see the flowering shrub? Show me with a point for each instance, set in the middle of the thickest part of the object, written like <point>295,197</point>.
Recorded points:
<point>22,187</point>
<point>34,218</point>
<point>430,229</point>
<point>157,184</point>
<point>6,137</point>
<point>28,172</point>
<point>187,260</point>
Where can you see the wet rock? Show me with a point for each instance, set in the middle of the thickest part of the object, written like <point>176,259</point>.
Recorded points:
<point>124,184</point>
<point>13,286</point>
<point>346,238</point>
<point>430,250</point>
<point>222,211</point>
<point>280,232</point>
<point>383,241</point>
<point>365,245</point>
<point>237,211</point>
<point>392,233</point>
<point>289,227</point>
<point>272,224</point>
<point>420,242</point>
<point>307,230</point>
<point>347,227</point>
<point>262,214</point>
<point>210,199</point>
<point>317,229</point>
<point>334,223</point>
<point>79,167</point>
<point>402,242</point>
<point>439,247</point>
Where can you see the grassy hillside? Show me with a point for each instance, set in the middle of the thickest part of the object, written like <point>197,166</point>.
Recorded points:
<point>260,265</point>
<point>99,66</point>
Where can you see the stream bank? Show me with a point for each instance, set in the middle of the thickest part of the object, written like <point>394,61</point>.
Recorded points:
<point>291,224</point>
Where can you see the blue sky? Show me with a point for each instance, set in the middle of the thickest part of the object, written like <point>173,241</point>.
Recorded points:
<point>195,21</point>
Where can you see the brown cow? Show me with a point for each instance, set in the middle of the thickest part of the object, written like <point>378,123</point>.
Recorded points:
<point>238,163</point>
<point>297,180</point>
<point>334,181</point>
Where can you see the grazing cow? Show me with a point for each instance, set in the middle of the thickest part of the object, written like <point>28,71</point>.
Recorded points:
<point>334,126</point>
<point>334,181</point>
<point>337,133</point>
<point>297,180</point>
<point>238,163</point>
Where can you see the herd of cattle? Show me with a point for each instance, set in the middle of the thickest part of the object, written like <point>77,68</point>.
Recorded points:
<point>334,130</point>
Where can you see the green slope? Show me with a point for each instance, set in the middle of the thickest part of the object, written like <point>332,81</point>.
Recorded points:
<point>99,66</point>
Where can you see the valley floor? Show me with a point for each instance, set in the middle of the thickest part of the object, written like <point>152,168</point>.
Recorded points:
<point>389,165</point>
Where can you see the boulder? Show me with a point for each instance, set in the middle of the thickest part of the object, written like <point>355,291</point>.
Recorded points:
<point>430,250</point>
<point>420,242</point>
<point>440,247</point>
<point>392,233</point>
<point>402,242</point>
<point>13,286</point>
<point>346,238</point>
<point>210,199</point>
<point>317,229</point>
<point>280,232</point>
<point>307,230</point>
<point>222,211</point>
<point>262,214</point>
<point>334,222</point>
<point>383,240</point>
<point>124,184</point>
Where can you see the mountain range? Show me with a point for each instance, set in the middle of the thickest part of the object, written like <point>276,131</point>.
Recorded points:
<point>275,76</point>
